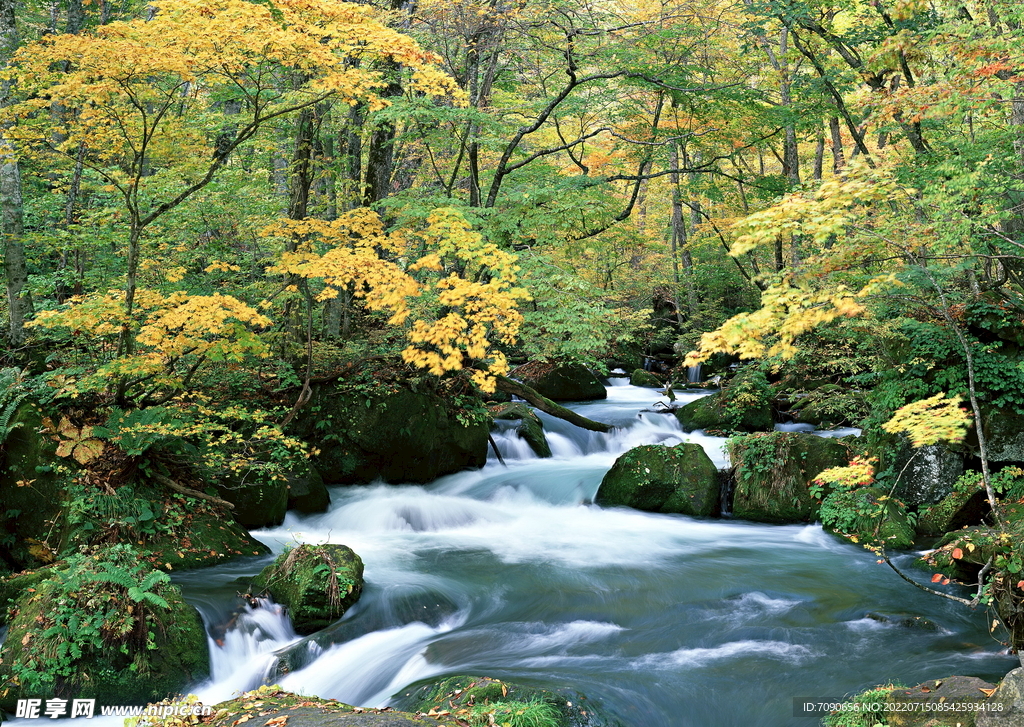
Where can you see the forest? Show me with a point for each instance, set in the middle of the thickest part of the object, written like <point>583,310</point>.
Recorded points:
<point>533,363</point>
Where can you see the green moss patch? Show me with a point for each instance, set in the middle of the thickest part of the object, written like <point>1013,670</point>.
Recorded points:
<point>656,478</point>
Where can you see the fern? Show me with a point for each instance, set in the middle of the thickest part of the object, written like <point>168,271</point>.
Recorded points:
<point>12,393</point>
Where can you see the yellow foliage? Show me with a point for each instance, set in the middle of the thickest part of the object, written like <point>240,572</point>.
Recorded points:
<point>930,421</point>
<point>479,301</point>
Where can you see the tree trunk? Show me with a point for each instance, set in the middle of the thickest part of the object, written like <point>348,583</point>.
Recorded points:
<point>12,209</point>
<point>549,407</point>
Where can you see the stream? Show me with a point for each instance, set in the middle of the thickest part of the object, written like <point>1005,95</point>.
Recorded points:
<point>663,620</point>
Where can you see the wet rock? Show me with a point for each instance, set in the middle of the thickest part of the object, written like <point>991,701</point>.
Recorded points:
<point>258,503</point>
<point>956,510</point>
<point>656,478</point>
<point>928,473</point>
<point>906,622</point>
<point>886,520</point>
<point>483,695</point>
<point>270,703</point>
<point>773,472</point>
<point>1004,435</point>
<point>307,493</point>
<point>922,706</point>
<point>397,435</point>
<point>83,632</point>
<point>645,378</point>
<point>1010,696</point>
<point>744,405</point>
<point>316,583</point>
<point>530,429</point>
<point>561,382</point>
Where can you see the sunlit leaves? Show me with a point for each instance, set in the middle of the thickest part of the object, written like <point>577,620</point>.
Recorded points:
<point>930,421</point>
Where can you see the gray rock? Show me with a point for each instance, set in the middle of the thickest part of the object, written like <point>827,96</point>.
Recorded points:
<point>1010,695</point>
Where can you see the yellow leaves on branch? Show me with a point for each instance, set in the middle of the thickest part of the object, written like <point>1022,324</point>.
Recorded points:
<point>478,301</point>
<point>930,421</point>
<point>163,79</point>
<point>786,312</point>
<point>859,473</point>
<point>168,328</point>
<point>820,216</point>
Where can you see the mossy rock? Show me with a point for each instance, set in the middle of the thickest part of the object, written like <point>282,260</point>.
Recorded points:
<point>530,429</point>
<point>14,586</point>
<point>645,378</point>
<point>82,634</point>
<point>561,382</point>
<point>28,456</point>
<point>466,695</point>
<point>922,706</point>
<point>1004,435</point>
<point>888,525</point>
<point>955,511</point>
<point>316,583</point>
<point>307,492</point>
<point>773,472</point>
<point>258,504</point>
<point>709,412</point>
<point>269,703</point>
<point>390,433</point>
<point>656,478</point>
<point>188,533</point>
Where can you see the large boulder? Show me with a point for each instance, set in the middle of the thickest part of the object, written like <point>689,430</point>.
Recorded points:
<point>102,626</point>
<point>530,429</point>
<point>953,512</point>
<point>742,406</point>
<point>31,483</point>
<point>639,377</point>
<point>316,583</point>
<point>390,433</point>
<point>307,492</point>
<point>870,515</point>
<point>497,702</point>
<point>773,472</point>
<point>271,705</point>
<point>1009,700</point>
<point>656,478</point>
<point>931,704</point>
<point>259,502</point>
<point>926,474</point>
<point>561,382</point>
<point>1004,435</point>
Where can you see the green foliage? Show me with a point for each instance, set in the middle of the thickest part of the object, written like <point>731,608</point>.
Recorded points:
<point>535,713</point>
<point>863,710</point>
<point>86,614</point>
<point>12,392</point>
<point>749,390</point>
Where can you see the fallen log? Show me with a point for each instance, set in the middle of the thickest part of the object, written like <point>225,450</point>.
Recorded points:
<point>547,406</point>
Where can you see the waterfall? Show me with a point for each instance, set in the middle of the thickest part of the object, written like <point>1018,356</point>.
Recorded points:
<point>693,374</point>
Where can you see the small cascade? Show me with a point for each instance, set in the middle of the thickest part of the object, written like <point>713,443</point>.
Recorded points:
<point>727,480</point>
<point>242,649</point>
<point>693,374</point>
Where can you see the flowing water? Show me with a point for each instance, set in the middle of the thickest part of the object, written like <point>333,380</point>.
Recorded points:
<point>665,620</point>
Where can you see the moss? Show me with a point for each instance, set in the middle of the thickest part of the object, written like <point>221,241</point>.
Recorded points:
<point>530,429</point>
<point>656,478</point>
<point>718,411</point>
<point>645,378</point>
<point>870,515</point>
<point>14,586</point>
<point>390,433</point>
<point>28,509</point>
<point>773,471</point>
<point>473,697</point>
<point>952,513</point>
<point>317,583</point>
<point>869,711</point>
<point>561,381</point>
<point>82,636</point>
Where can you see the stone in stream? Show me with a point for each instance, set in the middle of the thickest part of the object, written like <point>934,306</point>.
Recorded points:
<point>923,705</point>
<point>473,695</point>
<point>645,378</point>
<point>102,626</point>
<point>560,382</point>
<point>390,433</point>
<point>271,705</point>
<point>530,428</point>
<point>316,583</point>
<point>656,478</point>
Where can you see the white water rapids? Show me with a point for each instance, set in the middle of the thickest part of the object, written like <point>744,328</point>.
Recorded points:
<point>664,620</point>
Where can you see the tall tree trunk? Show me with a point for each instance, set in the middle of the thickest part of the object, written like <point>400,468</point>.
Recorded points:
<point>11,207</point>
<point>838,162</point>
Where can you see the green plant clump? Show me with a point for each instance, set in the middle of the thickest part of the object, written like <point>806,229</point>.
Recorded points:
<point>534,713</point>
<point>863,710</point>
